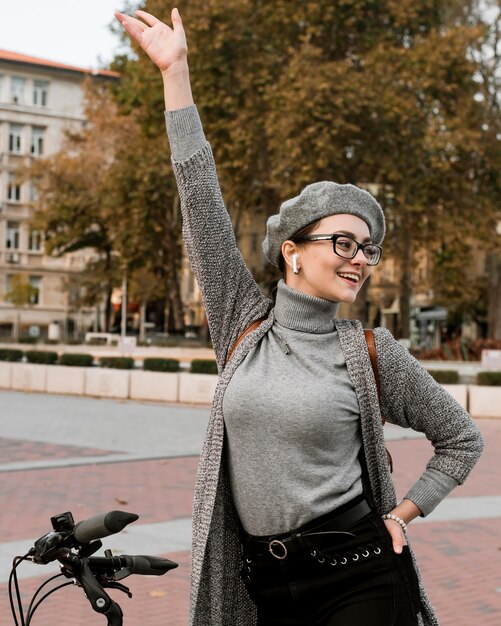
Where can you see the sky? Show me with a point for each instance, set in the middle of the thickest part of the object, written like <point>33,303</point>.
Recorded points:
<point>75,32</point>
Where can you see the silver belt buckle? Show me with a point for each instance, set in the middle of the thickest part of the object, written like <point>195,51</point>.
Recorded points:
<point>276,543</point>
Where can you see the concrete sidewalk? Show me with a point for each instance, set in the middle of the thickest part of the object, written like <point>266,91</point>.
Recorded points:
<point>90,456</point>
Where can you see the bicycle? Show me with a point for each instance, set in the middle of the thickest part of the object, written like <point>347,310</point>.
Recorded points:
<point>73,546</point>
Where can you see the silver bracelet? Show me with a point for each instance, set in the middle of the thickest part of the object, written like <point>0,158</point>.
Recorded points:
<point>397,519</point>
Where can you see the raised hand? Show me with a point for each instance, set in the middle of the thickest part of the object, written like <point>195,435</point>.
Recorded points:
<point>165,46</point>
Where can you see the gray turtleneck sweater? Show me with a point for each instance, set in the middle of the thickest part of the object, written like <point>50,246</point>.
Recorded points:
<point>292,421</point>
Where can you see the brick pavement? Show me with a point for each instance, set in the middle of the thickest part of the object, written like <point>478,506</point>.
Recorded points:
<point>459,560</point>
<point>12,450</point>
<point>155,490</point>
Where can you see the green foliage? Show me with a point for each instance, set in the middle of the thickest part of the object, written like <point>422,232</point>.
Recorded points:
<point>492,379</point>
<point>30,340</point>
<point>76,359</point>
<point>41,356</point>
<point>445,377</point>
<point>352,91</point>
<point>11,355</point>
<point>117,362</point>
<point>20,292</point>
<point>161,365</point>
<point>203,366</point>
<point>394,93</point>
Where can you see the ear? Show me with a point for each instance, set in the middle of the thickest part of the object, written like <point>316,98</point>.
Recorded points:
<point>288,249</point>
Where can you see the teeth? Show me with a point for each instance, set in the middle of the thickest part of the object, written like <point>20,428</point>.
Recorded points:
<point>354,277</point>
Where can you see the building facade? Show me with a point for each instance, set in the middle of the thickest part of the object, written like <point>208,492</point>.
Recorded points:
<point>39,101</point>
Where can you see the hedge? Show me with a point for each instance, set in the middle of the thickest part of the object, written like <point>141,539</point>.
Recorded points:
<point>28,340</point>
<point>41,356</point>
<point>76,359</point>
<point>8,354</point>
<point>445,377</point>
<point>203,366</point>
<point>161,365</point>
<point>493,379</point>
<point>117,362</point>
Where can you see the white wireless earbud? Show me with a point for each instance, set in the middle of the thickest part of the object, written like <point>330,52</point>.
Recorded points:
<point>295,268</point>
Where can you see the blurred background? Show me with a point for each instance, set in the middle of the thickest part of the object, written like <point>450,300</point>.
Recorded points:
<point>399,97</point>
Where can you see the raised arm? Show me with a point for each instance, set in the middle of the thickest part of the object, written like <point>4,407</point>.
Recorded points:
<point>231,297</point>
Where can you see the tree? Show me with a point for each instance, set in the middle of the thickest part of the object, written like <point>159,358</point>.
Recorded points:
<point>21,293</point>
<point>74,207</point>
<point>393,106</point>
<point>348,90</point>
<point>102,192</point>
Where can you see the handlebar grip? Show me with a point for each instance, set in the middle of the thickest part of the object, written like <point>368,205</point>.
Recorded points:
<point>102,525</point>
<point>149,565</point>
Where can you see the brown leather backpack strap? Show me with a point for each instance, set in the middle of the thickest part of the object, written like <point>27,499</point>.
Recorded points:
<point>371,346</point>
<point>242,336</point>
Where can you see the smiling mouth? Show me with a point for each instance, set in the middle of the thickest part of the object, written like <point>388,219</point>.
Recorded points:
<point>353,278</point>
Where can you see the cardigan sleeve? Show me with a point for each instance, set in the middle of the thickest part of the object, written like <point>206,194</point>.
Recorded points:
<point>411,398</point>
<point>231,296</point>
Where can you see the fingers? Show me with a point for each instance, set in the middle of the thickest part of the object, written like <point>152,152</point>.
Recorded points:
<point>177,22</point>
<point>150,19</point>
<point>134,27</point>
<point>397,536</point>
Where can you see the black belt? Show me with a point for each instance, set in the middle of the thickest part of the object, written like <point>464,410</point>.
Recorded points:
<point>309,536</point>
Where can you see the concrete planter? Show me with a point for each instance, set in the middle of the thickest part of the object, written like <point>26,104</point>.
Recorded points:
<point>107,383</point>
<point>484,401</point>
<point>5,375</point>
<point>29,376</point>
<point>459,393</point>
<point>66,380</point>
<point>159,386</point>
<point>197,388</point>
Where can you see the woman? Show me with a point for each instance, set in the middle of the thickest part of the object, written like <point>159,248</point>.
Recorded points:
<point>291,519</point>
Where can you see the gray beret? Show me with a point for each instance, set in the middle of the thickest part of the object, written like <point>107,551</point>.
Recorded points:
<point>315,202</point>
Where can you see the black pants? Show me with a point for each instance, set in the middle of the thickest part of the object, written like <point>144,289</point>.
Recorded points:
<point>349,581</point>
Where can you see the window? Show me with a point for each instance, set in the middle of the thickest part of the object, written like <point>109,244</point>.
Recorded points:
<point>40,90</point>
<point>35,241</point>
<point>35,284</point>
<point>12,236</point>
<point>17,90</point>
<point>13,189</point>
<point>15,138</point>
<point>37,141</point>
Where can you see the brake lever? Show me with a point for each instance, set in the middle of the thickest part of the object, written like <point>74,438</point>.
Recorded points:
<point>113,584</point>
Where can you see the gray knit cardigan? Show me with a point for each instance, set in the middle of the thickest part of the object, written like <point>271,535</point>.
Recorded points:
<point>409,397</point>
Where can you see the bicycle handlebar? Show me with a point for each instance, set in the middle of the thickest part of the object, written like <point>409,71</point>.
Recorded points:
<point>73,546</point>
<point>102,525</point>
<point>141,564</point>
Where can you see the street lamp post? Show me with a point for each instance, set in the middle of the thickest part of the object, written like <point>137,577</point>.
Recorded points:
<point>123,325</point>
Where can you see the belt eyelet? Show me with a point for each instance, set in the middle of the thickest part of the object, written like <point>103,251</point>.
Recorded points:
<point>355,557</point>
<point>333,562</point>
<point>365,553</point>
<point>377,551</point>
<point>344,560</point>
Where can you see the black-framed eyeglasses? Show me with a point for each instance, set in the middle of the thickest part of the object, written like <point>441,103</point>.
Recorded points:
<point>347,247</point>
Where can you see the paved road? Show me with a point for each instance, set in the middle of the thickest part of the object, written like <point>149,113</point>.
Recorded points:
<point>88,456</point>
